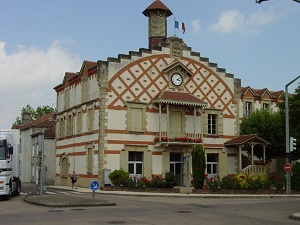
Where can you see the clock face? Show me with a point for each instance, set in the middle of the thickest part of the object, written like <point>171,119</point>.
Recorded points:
<point>176,79</point>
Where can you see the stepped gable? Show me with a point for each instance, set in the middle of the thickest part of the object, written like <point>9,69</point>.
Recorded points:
<point>144,51</point>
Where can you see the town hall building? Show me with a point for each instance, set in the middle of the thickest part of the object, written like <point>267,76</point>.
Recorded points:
<point>145,111</point>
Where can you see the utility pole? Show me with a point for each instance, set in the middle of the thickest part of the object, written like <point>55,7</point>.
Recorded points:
<point>287,136</point>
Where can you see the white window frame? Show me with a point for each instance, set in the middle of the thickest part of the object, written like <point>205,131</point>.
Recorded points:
<point>135,163</point>
<point>248,108</point>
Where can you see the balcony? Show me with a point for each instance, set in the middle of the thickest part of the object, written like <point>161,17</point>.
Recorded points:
<point>177,139</point>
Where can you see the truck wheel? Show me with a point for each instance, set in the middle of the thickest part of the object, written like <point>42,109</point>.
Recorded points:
<point>17,190</point>
<point>7,197</point>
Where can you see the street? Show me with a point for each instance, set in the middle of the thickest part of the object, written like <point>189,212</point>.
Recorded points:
<point>156,210</point>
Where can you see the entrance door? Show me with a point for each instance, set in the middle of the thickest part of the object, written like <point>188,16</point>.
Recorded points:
<point>176,166</point>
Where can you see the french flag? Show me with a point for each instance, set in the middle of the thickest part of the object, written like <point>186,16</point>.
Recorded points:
<point>180,26</point>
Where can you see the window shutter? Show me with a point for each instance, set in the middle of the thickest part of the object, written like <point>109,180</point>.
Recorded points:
<point>220,124</point>
<point>205,123</point>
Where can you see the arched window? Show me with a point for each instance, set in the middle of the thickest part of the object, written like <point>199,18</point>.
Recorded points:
<point>64,165</point>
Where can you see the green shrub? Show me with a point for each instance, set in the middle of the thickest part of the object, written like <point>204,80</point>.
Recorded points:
<point>119,177</point>
<point>170,180</point>
<point>157,181</point>
<point>295,179</point>
<point>277,182</point>
<point>229,183</point>
<point>213,183</point>
<point>198,166</point>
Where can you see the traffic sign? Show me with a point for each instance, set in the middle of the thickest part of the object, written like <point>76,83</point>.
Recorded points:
<point>287,167</point>
<point>94,185</point>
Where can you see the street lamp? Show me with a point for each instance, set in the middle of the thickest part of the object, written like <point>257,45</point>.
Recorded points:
<point>260,1</point>
<point>287,136</point>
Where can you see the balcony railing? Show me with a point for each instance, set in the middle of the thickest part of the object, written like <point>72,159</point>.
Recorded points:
<point>178,138</point>
<point>255,170</point>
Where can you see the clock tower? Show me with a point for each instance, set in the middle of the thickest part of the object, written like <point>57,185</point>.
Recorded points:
<point>157,13</point>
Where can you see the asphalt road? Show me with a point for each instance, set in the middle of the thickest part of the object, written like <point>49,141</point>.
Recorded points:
<point>156,210</point>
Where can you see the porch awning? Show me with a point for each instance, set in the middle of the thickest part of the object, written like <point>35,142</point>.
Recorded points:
<point>178,98</point>
<point>242,139</point>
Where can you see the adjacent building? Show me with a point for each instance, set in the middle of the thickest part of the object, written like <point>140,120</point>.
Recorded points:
<point>30,157</point>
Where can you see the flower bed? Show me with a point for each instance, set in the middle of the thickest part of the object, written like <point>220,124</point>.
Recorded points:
<point>156,190</point>
<point>237,191</point>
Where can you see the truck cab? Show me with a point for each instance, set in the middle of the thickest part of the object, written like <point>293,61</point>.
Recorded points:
<point>10,183</point>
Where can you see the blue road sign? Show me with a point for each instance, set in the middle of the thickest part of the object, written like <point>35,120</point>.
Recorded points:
<point>94,185</point>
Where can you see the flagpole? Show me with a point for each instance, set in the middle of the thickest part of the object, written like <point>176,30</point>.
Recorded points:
<point>174,26</point>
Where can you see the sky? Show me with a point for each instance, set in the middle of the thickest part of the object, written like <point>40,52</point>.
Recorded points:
<point>41,40</point>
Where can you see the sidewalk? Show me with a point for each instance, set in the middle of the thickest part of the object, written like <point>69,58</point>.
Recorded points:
<point>62,200</point>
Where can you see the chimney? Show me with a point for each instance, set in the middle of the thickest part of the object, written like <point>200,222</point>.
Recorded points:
<point>157,13</point>
<point>26,118</point>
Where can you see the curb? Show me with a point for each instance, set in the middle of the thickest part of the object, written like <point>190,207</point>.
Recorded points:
<point>43,201</point>
<point>295,216</point>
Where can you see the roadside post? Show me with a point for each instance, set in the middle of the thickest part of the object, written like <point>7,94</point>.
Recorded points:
<point>94,185</point>
<point>287,136</point>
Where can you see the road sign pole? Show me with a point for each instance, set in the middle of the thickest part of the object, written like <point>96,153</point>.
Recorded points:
<point>287,136</point>
<point>94,185</point>
<point>93,196</point>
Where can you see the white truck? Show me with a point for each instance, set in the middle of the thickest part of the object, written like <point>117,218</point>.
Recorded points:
<point>10,183</point>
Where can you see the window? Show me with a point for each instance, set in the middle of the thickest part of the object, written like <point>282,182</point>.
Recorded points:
<point>176,123</point>
<point>61,128</point>
<point>266,106</point>
<point>33,151</point>
<point>212,124</point>
<point>90,119</point>
<point>69,126</point>
<point>135,164</point>
<point>64,166</point>
<point>212,165</point>
<point>89,160</point>
<point>2,153</point>
<point>136,117</point>
<point>67,99</point>
<point>79,122</point>
<point>85,90</point>
<point>248,109</point>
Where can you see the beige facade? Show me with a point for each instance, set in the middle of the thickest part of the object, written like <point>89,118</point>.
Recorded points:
<point>145,111</point>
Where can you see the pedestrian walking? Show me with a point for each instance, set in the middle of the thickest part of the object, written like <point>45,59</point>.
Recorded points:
<point>74,180</point>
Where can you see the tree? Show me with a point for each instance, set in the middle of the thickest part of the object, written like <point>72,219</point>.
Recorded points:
<point>269,126</point>
<point>198,166</point>
<point>35,114</point>
<point>294,119</point>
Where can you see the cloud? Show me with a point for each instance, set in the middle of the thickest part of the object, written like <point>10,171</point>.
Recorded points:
<point>235,21</point>
<point>261,17</point>
<point>29,75</point>
<point>229,21</point>
<point>196,26</point>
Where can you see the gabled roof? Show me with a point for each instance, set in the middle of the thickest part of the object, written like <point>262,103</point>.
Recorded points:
<point>180,65</point>
<point>157,4</point>
<point>178,98</point>
<point>88,65</point>
<point>259,93</point>
<point>242,139</point>
<point>46,121</point>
